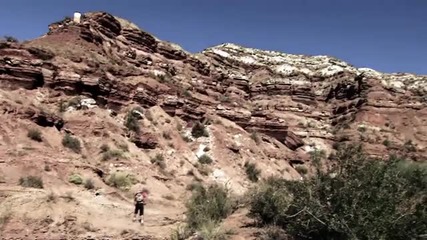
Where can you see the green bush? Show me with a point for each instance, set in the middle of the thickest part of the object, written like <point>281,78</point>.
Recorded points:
<point>123,146</point>
<point>35,135</point>
<point>211,230</point>
<point>387,143</point>
<point>121,180</point>
<point>185,137</point>
<point>159,160</point>
<point>301,169</point>
<point>273,233</point>
<point>167,135</point>
<point>76,179</point>
<point>182,232</point>
<point>71,143</point>
<point>205,159</point>
<point>89,184</point>
<point>31,182</point>
<point>203,169</point>
<point>131,122</point>
<point>112,154</point>
<point>270,201</point>
<point>211,204</point>
<point>104,148</point>
<point>409,146</point>
<point>252,171</point>
<point>43,54</point>
<point>199,130</point>
<point>255,137</point>
<point>10,39</point>
<point>357,198</point>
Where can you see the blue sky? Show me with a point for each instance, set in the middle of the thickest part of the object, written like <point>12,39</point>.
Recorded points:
<point>387,35</point>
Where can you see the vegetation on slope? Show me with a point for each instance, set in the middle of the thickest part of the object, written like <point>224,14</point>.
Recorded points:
<point>206,208</point>
<point>357,198</point>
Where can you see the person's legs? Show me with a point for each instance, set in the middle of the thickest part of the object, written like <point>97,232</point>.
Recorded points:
<point>135,213</point>
<point>141,213</point>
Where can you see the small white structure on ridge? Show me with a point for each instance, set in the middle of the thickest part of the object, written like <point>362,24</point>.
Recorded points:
<point>77,17</point>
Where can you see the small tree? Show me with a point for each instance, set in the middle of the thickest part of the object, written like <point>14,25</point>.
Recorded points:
<point>205,159</point>
<point>35,135</point>
<point>252,171</point>
<point>89,184</point>
<point>76,179</point>
<point>208,204</point>
<point>199,130</point>
<point>31,182</point>
<point>159,160</point>
<point>356,198</point>
<point>71,143</point>
<point>131,122</point>
<point>121,180</point>
<point>11,39</point>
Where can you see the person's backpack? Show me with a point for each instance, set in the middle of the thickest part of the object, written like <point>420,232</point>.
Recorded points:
<point>139,197</point>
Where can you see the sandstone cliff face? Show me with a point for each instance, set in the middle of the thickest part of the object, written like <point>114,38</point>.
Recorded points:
<point>298,100</point>
<point>259,106</point>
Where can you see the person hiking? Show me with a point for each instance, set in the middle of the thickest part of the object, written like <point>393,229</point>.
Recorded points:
<point>140,201</point>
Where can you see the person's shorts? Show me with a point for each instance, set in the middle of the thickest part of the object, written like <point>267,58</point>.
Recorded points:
<point>139,207</point>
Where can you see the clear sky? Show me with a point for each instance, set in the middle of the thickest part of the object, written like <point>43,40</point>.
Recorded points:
<point>387,35</point>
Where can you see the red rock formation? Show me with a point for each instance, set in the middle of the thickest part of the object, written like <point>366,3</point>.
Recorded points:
<point>296,99</point>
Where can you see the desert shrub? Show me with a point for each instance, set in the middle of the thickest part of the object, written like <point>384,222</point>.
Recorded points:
<point>104,148</point>
<point>121,180</point>
<point>47,168</point>
<point>273,233</point>
<point>123,146</point>
<point>199,130</point>
<point>112,154</point>
<point>301,169</point>
<point>179,127</point>
<point>185,137</point>
<point>387,143</point>
<point>361,129</point>
<point>31,182</point>
<point>167,135</point>
<point>62,106</point>
<point>89,184</point>
<point>336,145</point>
<point>51,197</point>
<point>74,102</point>
<point>72,143</point>
<point>208,204</point>
<point>186,93</point>
<point>194,185</point>
<point>35,134</point>
<point>356,198</point>
<point>255,137</point>
<point>205,159</point>
<point>159,160</point>
<point>131,122</point>
<point>5,217</point>
<point>203,169</point>
<point>252,171</point>
<point>10,39</point>
<point>211,230</point>
<point>409,146</point>
<point>41,53</point>
<point>269,201</point>
<point>182,232</point>
<point>68,196</point>
<point>76,179</point>
<point>169,197</point>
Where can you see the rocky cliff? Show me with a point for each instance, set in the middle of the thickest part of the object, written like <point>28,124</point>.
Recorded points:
<point>261,106</point>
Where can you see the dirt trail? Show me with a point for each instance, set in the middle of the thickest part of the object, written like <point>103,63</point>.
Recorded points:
<point>81,214</point>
